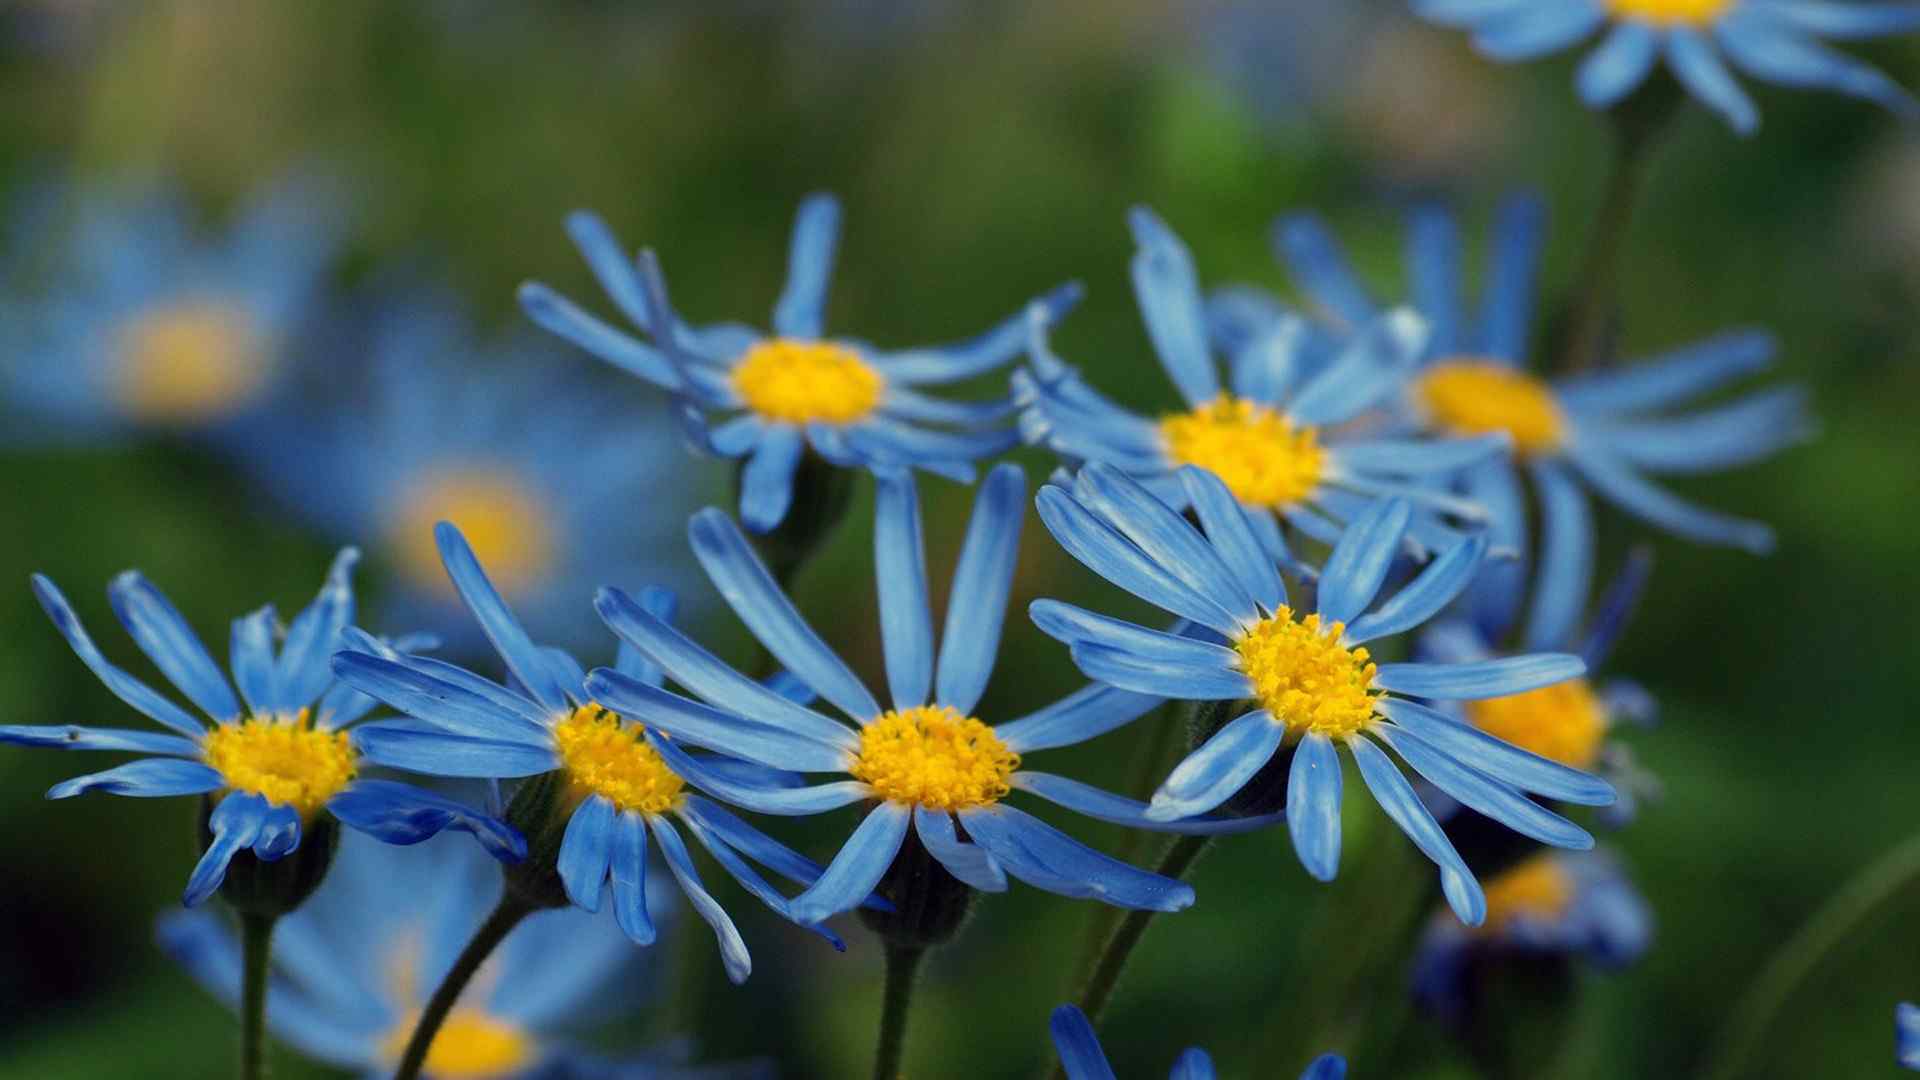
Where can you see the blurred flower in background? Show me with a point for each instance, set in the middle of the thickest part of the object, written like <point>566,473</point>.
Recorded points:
<point>1906,1021</point>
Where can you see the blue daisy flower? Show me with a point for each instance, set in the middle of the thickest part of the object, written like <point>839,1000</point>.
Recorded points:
<point>1578,905</point>
<point>926,762</point>
<point>145,324</point>
<point>1083,1059</point>
<point>1272,434</point>
<point>852,404</point>
<point>1775,41</point>
<point>1602,431</point>
<point>528,458</point>
<point>354,967</point>
<point>274,757</point>
<point>615,789</point>
<point>1906,1025</point>
<point>1307,681</point>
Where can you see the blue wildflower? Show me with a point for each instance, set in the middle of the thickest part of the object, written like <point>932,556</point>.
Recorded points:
<point>1308,683</point>
<point>145,325</point>
<point>852,404</point>
<point>1906,1024</point>
<point>1269,435</point>
<point>353,969</point>
<point>928,761</point>
<point>1775,41</point>
<point>1083,1059</point>
<point>615,789</point>
<point>274,757</point>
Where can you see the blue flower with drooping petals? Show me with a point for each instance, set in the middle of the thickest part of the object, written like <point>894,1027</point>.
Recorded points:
<point>1307,681</point>
<point>142,324</point>
<point>353,968</point>
<point>1270,433</point>
<point>1083,1059</point>
<point>927,762</point>
<point>615,789</point>
<point>282,751</point>
<point>1775,41</point>
<point>852,404</point>
<point>1600,431</point>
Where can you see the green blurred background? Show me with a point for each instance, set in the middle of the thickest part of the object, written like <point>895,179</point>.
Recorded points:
<point>986,151</point>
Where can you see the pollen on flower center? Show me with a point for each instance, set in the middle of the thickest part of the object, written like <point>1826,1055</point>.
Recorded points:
<point>188,363</point>
<point>803,382</point>
<point>506,524</point>
<point>471,1045</point>
<point>608,756</point>
<point>1262,456</point>
<point>1480,397</point>
<point>1671,12</point>
<point>1539,889</point>
<point>1565,722</point>
<point>1305,677</point>
<point>932,756</point>
<point>284,760</point>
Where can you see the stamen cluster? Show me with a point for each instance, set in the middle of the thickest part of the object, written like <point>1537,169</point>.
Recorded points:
<point>932,756</point>
<point>805,382</point>
<point>284,760</point>
<point>607,756</point>
<point>1481,397</point>
<point>1305,677</point>
<point>1262,456</point>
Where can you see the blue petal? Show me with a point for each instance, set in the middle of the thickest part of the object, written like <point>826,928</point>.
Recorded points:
<point>1517,233</point>
<point>1694,63</point>
<point>801,309</point>
<point>1421,599</point>
<point>1849,20</point>
<point>611,265</point>
<point>1397,798</point>
<point>235,824</point>
<point>751,842</point>
<point>1485,679</point>
<point>1672,377</point>
<point>1538,30</point>
<point>404,745</point>
<point>1074,626</point>
<point>1085,713</point>
<point>1494,598</point>
<point>1168,291</point>
<point>627,868</point>
<point>1906,1019</point>
<point>1079,1048</point>
<point>74,737</point>
<point>509,639</point>
<point>968,863</point>
<point>786,801</point>
<point>561,317</point>
<point>900,575</point>
<point>1616,606</point>
<point>859,866</point>
<point>1370,368</point>
<point>250,651</point>
<point>985,351</point>
<point>1047,858</point>
<point>1321,269</point>
<point>1359,563</point>
<point>1265,367</point>
<point>163,634</point>
<point>1620,484</point>
<point>1433,263</point>
<point>726,732</point>
<point>302,673</point>
<point>1233,537</point>
<point>1192,1064</point>
<point>444,705</point>
<point>1313,805</point>
<point>512,702</point>
<point>749,878</point>
<point>585,851</point>
<point>733,950</point>
<point>1739,433</point>
<point>149,778</point>
<point>1120,810</point>
<point>1500,760</point>
<point>1767,49</point>
<point>1326,1067</point>
<point>400,813</point>
<point>1482,793</point>
<point>1181,679</point>
<point>1164,536</point>
<point>1620,64</point>
<point>1219,767</point>
<point>1419,457</point>
<point>747,587</point>
<point>1566,558</point>
<point>279,833</point>
<point>977,602</point>
<point>766,483</point>
<point>1104,551</point>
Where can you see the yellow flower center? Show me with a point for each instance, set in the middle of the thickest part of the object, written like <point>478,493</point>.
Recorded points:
<point>189,363</point>
<point>1480,397</point>
<point>1671,12</point>
<point>1306,678</point>
<point>285,760</point>
<point>932,756</point>
<point>1262,456</point>
<point>605,755</point>
<point>1565,722</point>
<point>804,382</point>
<point>471,1045</point>
<point>1539,888</point>
<point>507,526</point>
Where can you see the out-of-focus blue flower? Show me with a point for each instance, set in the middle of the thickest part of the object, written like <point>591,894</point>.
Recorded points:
<point>1083,1059</point>
<point>540,469</point>
<point>616,789</point>
<point>1601,431</point>
<point>275,755</point>
<point>143,323</point>
<point>354,967</point>
<point>1775,41</point>
<point>1304,684</point>
<point>1906,1033</point>
<point>926,762</point>
<point>1578,905</point>
<point>1266,432</point>
<point>852,404</point>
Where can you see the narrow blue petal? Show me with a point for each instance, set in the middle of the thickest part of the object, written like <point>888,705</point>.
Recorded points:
<point>751,842</point>
<point>733,949</point>
<point>441,704</point>
<point>1433,264</point>
<point>1694,63</point>
<point>627,869</point>
<point>1233,537</point>
<point>1397,798</point>
<point>749,878</point>
<point>163,634</point>
<point>1184,680</point>
<point>235,824</point>
<point>250,651</point>
<point>1421,599</point>
<point>1767,49</point>
<point>1160,532</point>
<point>1616,607</point>
<point>905,404</point>
<point>1494,597</point>
<point>1219,767</point>
<point>611,265</point>
<point>585,851</point>
<point>1192,1064</point>
<point>1326,1067</point>
<point>1906,1019</point>
<point>982,580</point>
<point>1359,563</point>
<point>1518,228</point>
<point>1847,21</point>
<point>509,639</point>
<point>1497,759</point>
<point>1419,457</point>
<point>1077,1045</point>
<point>1369,369</point>
<point>968,863</point>
<point>1739,433</point>
<point>766,483</point>
<point>74,737</point>
<point>1566,558</point>
<point>1483,793</point>
<point>1488,678</point>
<point>400,813</point>
<point>279,833</point>
<point>1074,626</point>
<point>1619,65</point>
<point>404,745</point>
<point>1047,858</point>
<point>1103,550</point>
<point>1321,269</point>
<point>1313,805</point>
<point>1120,810</point>
<point>786,801</point>
<point>149,778</point>
<point>1168,290</point>
<point>727,732</point>
<point>561,317</point>
<point>1672,377</point>
<point>303,673</point>
<point>858,867</point>
<point>1618,483</point>
<point>1087,712</point>
<point>1538,30</point>
<point>501,698</point>
<point>1267,364</point>
<point>900,576</point>
<point>801,310</point>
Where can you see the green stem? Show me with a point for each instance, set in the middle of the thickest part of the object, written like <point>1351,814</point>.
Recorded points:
<point>1149,762</point>
<point>903,964</point>
<point>504,918</point>
<point>1845,912</point>
<point>256,943</point>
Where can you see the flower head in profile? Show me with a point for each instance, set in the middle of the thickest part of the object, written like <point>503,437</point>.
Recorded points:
<point>528,456</point>
<point>145,325</point>
<point>1083,1059</point>
<point>1775,41</point>
<point>1298,684</point>
<point>1601,432</point>
<point>767,399</point>
<point>351,999</point>
<point>611,787</point>
<point>1271,431</point>
<point>274,758</point>
<point>926,765</point>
